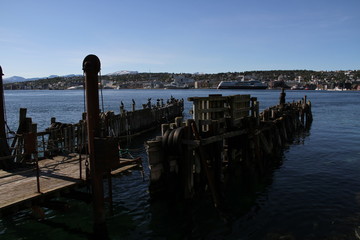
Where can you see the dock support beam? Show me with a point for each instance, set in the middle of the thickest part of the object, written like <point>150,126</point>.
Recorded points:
<point>91,68</point>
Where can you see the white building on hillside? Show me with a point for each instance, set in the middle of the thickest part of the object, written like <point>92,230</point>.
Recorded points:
<point>181,81</point>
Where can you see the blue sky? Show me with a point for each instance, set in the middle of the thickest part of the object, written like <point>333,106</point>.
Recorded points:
<point>42,37</point>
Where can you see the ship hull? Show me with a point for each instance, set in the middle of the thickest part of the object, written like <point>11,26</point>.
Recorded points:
<point>242,85</point>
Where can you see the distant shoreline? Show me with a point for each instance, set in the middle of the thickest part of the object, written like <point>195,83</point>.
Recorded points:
<point>190,89</point>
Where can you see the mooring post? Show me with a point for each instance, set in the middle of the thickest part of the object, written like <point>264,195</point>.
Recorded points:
<point>133,105</point>
<point>282,97</point>
<point>91,67</point>
<point>2,115</point>
<point>4,146</point>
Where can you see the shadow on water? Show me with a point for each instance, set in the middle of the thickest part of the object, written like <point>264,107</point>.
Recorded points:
<point>27,225</point>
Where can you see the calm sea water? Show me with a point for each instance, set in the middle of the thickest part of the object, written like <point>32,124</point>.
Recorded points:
<point>313,194</point>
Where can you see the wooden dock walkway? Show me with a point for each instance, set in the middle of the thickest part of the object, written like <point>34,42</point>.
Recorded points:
<point>61,173</point>
<point>56,174</point>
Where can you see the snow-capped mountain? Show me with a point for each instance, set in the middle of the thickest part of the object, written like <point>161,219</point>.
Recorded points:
<point>123,72</point>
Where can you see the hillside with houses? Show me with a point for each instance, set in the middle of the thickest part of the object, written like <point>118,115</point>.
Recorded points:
<point>291,79</point>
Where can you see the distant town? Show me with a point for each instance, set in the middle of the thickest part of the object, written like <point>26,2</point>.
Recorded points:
<point>291,79</point>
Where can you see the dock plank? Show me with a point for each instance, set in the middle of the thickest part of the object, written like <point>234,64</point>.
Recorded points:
<point>123,169</point>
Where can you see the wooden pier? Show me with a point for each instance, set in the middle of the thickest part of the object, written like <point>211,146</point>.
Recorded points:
<point>35,166</point>
<point>227,140</point>
<point>60,148</point>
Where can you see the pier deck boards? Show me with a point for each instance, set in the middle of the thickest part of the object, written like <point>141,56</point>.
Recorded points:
<point>56,174</point>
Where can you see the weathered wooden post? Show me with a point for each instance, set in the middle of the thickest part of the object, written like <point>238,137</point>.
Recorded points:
<point>4,146</point>
<point>91,67</point>
<point>282,98</point>
<point>303,106</point>
<point>30,148</point>
<point>133,105</point>
<point>255,110</point>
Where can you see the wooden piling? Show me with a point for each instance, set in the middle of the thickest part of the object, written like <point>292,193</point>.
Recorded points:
<point>231,141</point>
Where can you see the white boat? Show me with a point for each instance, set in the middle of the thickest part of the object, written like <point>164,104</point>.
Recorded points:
<point>75,87</point>
<point>251,84</point>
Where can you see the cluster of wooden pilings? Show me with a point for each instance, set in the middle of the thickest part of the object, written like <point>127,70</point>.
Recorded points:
<point>62,138</point>
<point>130,123</point>
<point>227,140</point>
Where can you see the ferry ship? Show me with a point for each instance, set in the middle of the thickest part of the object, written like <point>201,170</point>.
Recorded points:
<point>251,84</point>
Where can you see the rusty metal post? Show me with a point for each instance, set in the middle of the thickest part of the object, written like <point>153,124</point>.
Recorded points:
<point>4,146</point>
<point>91,67</point>
<point>2,117</point>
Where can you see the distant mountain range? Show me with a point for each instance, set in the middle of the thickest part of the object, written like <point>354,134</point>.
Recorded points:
<point>14,79</point>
